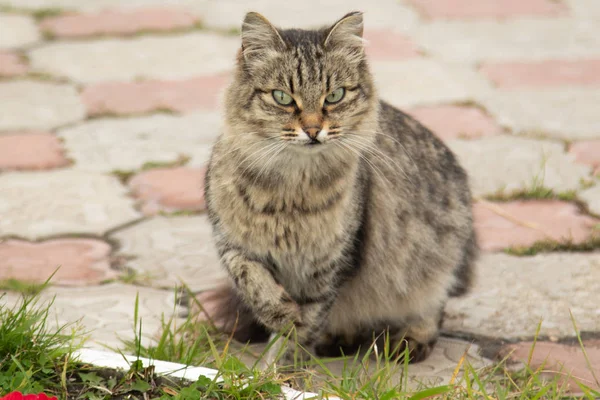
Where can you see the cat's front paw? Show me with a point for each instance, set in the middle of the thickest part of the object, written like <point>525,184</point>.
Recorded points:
<point>284,314</point>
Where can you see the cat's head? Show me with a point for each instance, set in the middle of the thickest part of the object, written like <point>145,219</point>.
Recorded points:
<point>305,91</point>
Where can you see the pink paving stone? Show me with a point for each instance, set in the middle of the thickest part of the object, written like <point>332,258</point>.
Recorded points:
<point>588,152</point>
<point>451,122</point>
<point>117,22</point>
<point>140,97</point>
<point>560,359</point>
<point>81,261</point>
<point>547,73</point>
<point>387,45</point>
<point>11,64</point>
<point>31,151</point>
<point>169,189</point>
<point>522,223</point>
<point>488,8</point>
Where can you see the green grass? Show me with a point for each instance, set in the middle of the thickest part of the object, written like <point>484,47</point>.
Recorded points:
<point>371,374</point>
<point>42,13</point>
<point>24,287</point>
<point>125,175</point>
<point>533,193</point>
<point>547,246</point>
<point>33,356</point>
<point>37,359</point>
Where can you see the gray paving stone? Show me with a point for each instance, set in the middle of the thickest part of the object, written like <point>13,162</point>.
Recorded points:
<point>156,138</point>
<point>106,312</point>
<point>585,9</point>
<point>510,163</point>
<point>38,105</point>
<point>591,197</point>
<point>309,14</point>
<point>152,57</point>
<point>513,294</point>
<point>17,31</point>
<point>173,250</point>
<point>509,40</point>
<point>39,204</point>
<point>420,81</point>
<point>564,113</point>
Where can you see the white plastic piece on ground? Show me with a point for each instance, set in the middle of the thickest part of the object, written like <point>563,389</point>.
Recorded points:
<point>107,359</point>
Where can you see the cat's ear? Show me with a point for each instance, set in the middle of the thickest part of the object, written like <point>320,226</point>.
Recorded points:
<point>259,35</point>
<point>347,32</point>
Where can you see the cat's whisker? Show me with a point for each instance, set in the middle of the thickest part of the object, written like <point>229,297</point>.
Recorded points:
<point>273,157</point>
<point>376,152</point>
<point>265,153</point>
<point>255,152</point>
<point>357,152</point>
<point>242,145</point>
<point>375,148</point>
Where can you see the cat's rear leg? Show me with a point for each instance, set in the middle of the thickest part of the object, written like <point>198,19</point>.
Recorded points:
<point>334,345</point>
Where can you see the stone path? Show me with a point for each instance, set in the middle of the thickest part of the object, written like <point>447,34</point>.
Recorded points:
<point>109,109</point>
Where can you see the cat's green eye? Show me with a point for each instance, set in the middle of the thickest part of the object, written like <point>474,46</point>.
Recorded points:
<point>282,98</point>
<point>335,96</point>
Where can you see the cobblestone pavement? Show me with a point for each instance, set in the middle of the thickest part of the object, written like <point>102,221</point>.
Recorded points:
<point>108,110</point>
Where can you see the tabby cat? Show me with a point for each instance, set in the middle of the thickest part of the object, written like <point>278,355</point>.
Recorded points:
<point>332,211</point>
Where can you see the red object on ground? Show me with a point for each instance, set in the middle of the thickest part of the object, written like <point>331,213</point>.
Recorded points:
<point>21,396</point>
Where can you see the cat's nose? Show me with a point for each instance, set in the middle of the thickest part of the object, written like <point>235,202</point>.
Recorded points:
<point>312,131</point>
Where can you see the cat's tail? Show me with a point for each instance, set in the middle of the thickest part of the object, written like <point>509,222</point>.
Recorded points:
<point>465,270</point>
<point>225,309</point>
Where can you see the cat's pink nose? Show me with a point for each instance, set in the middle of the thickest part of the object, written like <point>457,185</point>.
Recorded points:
<point>312,131</point>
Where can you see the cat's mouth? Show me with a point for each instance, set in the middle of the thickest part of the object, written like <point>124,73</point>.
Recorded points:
<point>312,142</point>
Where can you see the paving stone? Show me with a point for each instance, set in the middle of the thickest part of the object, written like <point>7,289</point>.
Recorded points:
<point>11,64</point>
<point>80,262</point>
<point>512,294</point>
<point>155,138</point>
<point>522,39</point>
<point>422,81</point>
<point>169,189</point>
<point>140,97</point>
<point>587,152</point>
<point>38,105</point>
<point>488,8</point>
<point>546,73</point>
<point>17,31</point>
<point>100,5</point>
<point>118,22</point>
<point>567,361</point>
<point>39,204</point>
<point>517,164</point>
<point>452,122</point>
<point>591,197</point>
<point>535,111</point>
<point>107,312</point>
<point>584,9</point>
<point>227,14</point>
<point>171,250</point>
<point>30,151</point>
<point>388,45</point>
<point>522,223</point>
<point>150,57</point>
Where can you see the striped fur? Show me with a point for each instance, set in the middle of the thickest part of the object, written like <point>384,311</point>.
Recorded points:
<point>363,228</point>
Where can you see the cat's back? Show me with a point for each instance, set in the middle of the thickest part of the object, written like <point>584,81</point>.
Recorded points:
<point>421,160</point>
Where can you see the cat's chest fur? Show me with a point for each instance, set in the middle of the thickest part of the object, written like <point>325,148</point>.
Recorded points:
<point>294,226</point>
